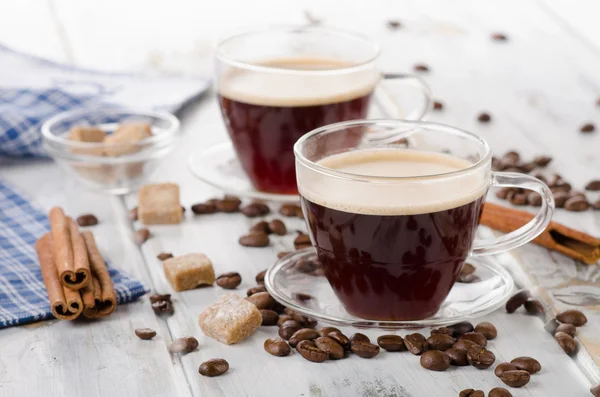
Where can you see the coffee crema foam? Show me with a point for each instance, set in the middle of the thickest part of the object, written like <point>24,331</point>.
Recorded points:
<point>410,196</point>
<point>272,88</point>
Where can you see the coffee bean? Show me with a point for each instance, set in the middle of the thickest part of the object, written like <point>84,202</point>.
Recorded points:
<point>283,318</point>
<point>87,220</point>
<point>587,128</point>
<point>278,227</point>
<point>515,378</point>
<point>164,255</point>
<point>526,167</point>
<point>228,205</point>
<point>595,391</point>
<point>391,343</point>
<point>311,352</point>
<point>464,344</point>
<point>327,330</point>
<point>475,337</point>
<point>269,317</point>
<point>364,349</point>
<point>512,157</point>
<point>256,290</point>
<point>229,280</point>
<point>573,317</point>
<point>260,276</point>
<point>306,322</point>
<point>254,239</point>
<point>330,346</point>
<point>566,342</point>
<point>593,186</point>
<point>282,254</point>
<point>141,236</point>
<point>467,274</point>
<point>499,392</point>
<point>184,345</point>
<point>358,337</point>
<point>560,198</point>
<point>516,301</point>
<point>542,161</point>
<point>303,334</point>
<point>277,347</point>
<point>163,307</point>
<point>460,328</point>
<point>394,25</point>
<point>568,329</point>
<point>289,209</point>
<point>534,199</point>
<point>458,357</point>
<point>302,241</point>
<point>305,266</point>
<point>416,343</point>
<point>204,208</point>
<point>440,342</point>
<point>528,364</point>
<point>213,367</point>
<point>499,37</point>
<point>288,328</point>
<point>442,331</point>
<point>480,358</point>
<point>160,297</point>
<point>519,199</point>
<point>260,227</point>
<point>145,333</point>
<point>341,339</point>
<point>255,209</point>
<point>471,393</point>
<point>577,204</point>
<point>435,360</point>
<point>133,214</point>
<point>498,165</point>
<point>596,205</point>
<point>487,329</point>
<point>437,105</point>
<point>534,306</point>
<point>484,117</point>
<point>421,67</point>
<point>261,300</point>
<point>577,194</point>
<point>502,367</point>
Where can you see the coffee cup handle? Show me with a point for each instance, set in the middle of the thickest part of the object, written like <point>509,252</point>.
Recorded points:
<point>527,232</point>
<point>403,96</point>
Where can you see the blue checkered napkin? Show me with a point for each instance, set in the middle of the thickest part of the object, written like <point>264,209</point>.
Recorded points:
<point>23,297</point>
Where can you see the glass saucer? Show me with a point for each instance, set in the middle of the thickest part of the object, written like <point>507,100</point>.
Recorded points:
<point>310,294</point>
<point>219,167</point>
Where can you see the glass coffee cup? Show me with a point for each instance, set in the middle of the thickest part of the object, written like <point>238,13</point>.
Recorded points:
<point>276,84</point>
<point>392,209</point>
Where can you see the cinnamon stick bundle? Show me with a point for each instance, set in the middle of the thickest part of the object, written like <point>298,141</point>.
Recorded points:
<point>573,243</point>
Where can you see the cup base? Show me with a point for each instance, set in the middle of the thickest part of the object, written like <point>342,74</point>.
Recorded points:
<point>308,292</point>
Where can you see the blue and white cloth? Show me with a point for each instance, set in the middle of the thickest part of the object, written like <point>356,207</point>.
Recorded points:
<point>23,297</point>
<point>34,89</point>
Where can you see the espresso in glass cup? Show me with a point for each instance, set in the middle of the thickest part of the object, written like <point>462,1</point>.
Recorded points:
<point>392,209</point>
<point>276,84</point>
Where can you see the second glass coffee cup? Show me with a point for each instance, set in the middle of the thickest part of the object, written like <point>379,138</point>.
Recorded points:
<point>276,84</point>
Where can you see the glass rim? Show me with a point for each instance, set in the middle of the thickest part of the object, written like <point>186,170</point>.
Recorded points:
<point>375,48</point>
<point>299,145</point>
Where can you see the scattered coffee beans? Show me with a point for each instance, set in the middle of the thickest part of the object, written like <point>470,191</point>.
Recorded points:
<point>502,367</point>
<point>358,337</point>
<point>484,117</point>
<point>480,358</point>
<point>277,227</point>
<point>311,352</point>
<point>437,105</point>
<point>255,209</point>
<point>289,209</point>
<point>516,301</point>
<point>133,214</point>
<point>573,317</point>
<point>302,241</point>
<point>254,239</point>
<point>164,255</point>
<point>435,360</point>
<point>229,280</point>
<point>228,204</point>
<point>587,128</point>
<point>475,337</point>
<point>184,345</point>
<point>421,67</point>
<point>330,346</point>
<point>141,236</point>
<point>569,329</point>
<point>260,227</point>
<point>458,357</point>
<point>269,317</point>
<point>288,328</point>
<point>528,364</point>
<point>595,391</point>
<point>277,347</point>
<point>256,290</point>
<point>460,328</point>
<point>394,25</point>
<point>204,208</point>
<point>487,329</point>
<point>440,342</point>
<point>516,378</point>
<point>262,300</point>
<point>145,333</point>
<point>499,392</point>
<point>302,334</point>
<point>499,37</point>
<point>416,343</point>
<point>87,220</point>
<point>214,367</point>
<point>391,343</point>
<point>566,342</point>
<point>364,349</point>
<point>534,306</point>
<point>471,393</point>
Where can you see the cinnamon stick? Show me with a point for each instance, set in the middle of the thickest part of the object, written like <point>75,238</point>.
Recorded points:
<point>65,304</point>
<point>104,292</point>
<point>88,296</point>
<point>557,237</point>
<point>72,270</point>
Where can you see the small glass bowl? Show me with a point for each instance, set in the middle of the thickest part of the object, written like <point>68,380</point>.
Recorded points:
<point>87,161</point>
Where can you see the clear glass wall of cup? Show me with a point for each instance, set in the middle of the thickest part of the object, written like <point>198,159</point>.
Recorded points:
<point>278,83</point>
<point>392,209</point>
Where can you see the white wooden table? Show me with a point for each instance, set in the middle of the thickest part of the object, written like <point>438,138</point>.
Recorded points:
<point>539,86</point>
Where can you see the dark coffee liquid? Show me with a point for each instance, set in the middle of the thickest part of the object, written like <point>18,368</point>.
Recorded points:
<point>398,267</point>
<point>265,115</point>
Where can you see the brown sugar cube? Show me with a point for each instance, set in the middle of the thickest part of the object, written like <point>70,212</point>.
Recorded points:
<point>189,271</point>
<point>87,134</point>
<point>125,136</point>
<point>158,204</point>
<point>230,319</point>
